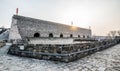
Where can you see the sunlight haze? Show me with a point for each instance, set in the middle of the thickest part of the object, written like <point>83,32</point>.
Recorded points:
<point>101,15</point>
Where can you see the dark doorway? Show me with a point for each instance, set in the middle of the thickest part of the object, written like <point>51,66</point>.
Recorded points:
<point>61,35</point>
<point>71,35</point>
<point>83,36</point>
<point>88,37</point>
<point>78,35</point>
<point>50,35</point>
<point>36,35</point>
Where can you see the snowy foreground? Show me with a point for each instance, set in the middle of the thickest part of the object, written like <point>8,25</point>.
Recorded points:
<point>107,60</point>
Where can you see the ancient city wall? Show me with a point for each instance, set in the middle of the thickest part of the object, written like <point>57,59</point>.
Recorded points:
<point>27,27</point>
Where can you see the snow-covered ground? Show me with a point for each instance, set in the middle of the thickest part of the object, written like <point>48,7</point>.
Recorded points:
<point>4,35</point>
<point>107,60</point>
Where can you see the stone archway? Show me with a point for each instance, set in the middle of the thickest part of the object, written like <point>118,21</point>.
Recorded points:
<point>79,36</point>
<point>83,36</point>
<point>61,35</point>
<point>36,35</point>
<point>51,35</point>
<point>71,35</point>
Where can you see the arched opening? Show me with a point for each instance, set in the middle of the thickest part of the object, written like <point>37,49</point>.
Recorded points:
<point>71,35</point>
<point>88,37</point>
<point>50,35</point>
<point>78,35</point>
<point>36,35</point>
<point>83,36</point>
<point>61,35</point>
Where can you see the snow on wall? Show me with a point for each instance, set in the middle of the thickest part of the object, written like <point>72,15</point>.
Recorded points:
<point>51,41</point>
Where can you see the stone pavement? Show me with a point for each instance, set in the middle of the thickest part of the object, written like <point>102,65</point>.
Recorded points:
<point>107,60</point>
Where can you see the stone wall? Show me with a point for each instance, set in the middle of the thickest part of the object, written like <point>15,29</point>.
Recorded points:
<point>27,27</point>
<point>14,32</point>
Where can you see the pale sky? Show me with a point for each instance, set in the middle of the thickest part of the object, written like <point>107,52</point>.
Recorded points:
<point>102,15</point>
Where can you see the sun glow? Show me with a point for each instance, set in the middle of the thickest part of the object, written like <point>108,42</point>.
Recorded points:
<point>73,28</point>
<point>80,17</point>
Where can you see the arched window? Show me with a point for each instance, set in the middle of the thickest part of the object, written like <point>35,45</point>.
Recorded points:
<point>83,36</point>
<point>36,35</point>
<point>61,35</point>
<point>71,35</point>
<point>50,35</point>
<point>78,35</point>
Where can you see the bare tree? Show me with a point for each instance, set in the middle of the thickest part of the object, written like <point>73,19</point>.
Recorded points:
<point>118,32</point>
<point>113,33</point>
<point>108,35</point>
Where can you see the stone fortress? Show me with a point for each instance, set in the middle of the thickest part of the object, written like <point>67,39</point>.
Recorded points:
<point>52,41</point>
